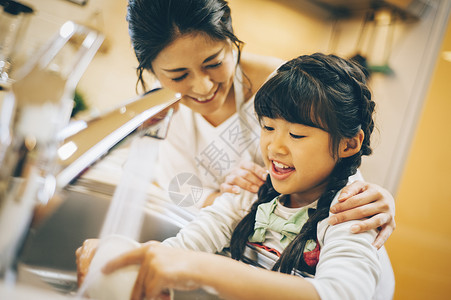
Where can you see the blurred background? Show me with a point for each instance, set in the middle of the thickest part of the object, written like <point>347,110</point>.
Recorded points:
<point>407,47</point>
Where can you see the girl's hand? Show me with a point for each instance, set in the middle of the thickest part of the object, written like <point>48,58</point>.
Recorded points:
<point>84,256</point>
<point>162,268</point>
<point>365,200</point>
<point>248,176</point>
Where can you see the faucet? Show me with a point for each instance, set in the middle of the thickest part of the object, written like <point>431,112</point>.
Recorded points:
<point>37,107</point>
<point>145,115</point>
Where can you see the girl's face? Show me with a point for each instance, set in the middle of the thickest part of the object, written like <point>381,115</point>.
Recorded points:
<point>198,67</point>
<point>298,157</point>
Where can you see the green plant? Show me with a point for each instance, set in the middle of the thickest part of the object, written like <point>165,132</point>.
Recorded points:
<point>79,103</point>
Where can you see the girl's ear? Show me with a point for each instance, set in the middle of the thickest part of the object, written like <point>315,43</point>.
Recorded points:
<point>350,146</point>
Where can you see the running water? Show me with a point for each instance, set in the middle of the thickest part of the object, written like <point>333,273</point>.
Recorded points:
<point>126,211</point>
<point>125,214</point>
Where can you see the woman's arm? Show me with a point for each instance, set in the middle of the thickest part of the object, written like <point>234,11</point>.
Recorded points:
<point>165,268</point>
<point>365,200</point>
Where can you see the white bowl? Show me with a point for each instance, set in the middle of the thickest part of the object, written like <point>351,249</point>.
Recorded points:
<point>119,284</point>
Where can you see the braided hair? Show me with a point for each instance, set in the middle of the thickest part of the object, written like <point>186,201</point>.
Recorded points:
<point>322,91</point>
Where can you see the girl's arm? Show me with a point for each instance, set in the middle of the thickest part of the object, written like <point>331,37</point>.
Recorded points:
<point>349,268</point>
<point>212,229</point>
<point>165,268</point>
<point>365,200</point>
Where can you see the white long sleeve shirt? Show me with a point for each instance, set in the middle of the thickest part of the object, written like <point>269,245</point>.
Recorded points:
<point>349,266</point>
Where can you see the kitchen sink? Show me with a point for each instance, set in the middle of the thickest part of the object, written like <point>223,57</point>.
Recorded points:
<point>47,258</point>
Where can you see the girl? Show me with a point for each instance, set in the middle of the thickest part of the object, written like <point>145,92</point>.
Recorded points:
<point>190,47</point>
<point>316,122</point>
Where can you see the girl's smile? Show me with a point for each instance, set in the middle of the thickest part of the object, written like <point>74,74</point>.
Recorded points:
<point>280,171</point>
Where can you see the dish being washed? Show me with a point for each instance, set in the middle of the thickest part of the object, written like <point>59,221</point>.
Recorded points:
<point>117,285</point>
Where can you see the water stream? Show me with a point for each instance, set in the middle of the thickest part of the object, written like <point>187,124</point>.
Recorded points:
<point>126,211</point>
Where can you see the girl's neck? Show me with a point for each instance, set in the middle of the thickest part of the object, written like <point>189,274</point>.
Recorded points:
<point>290,201</point>
<point>305,198</point>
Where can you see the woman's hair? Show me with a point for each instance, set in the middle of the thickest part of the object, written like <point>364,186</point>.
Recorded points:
<point>154,24</point>
<point>322,91</point>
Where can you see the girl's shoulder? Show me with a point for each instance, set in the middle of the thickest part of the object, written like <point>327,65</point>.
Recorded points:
<point>258,67</point>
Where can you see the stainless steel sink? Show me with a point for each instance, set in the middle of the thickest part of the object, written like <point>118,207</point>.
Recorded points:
<point>48,255</point>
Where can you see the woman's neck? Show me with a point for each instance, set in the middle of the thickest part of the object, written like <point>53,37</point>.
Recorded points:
<point>226,111</point>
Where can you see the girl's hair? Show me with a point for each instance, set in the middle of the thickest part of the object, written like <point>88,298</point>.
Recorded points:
<point>154,24</point>
<point>323,91</point>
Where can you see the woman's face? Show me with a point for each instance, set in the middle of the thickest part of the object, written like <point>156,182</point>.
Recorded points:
<point>198,67</point>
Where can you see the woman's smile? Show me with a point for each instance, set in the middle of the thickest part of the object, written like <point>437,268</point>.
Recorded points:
<point>206,99</point>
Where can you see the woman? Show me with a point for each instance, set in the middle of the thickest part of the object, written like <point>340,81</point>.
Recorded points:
<point>190,48</point>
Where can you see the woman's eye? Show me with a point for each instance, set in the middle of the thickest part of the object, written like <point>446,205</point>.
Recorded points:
<point>296,136</point>
<point>180,78</point>
<point>214,65</point>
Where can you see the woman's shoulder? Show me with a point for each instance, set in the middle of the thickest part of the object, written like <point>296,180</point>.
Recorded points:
<point>258,67</point>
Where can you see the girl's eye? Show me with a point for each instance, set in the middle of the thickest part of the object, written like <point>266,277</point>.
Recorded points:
<point>180,78</point>
<point>214,65</point>
<point>295,136</point>
<point>268,128</point>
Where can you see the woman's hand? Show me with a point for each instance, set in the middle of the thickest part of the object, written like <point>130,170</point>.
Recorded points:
<point>84,256</point>
<point>365,200</point>
<point>162,268</point>
<point>248,176</point>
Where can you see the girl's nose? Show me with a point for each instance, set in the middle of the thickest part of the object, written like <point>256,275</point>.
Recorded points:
<point>202,84</point>
<point>277,146</point>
